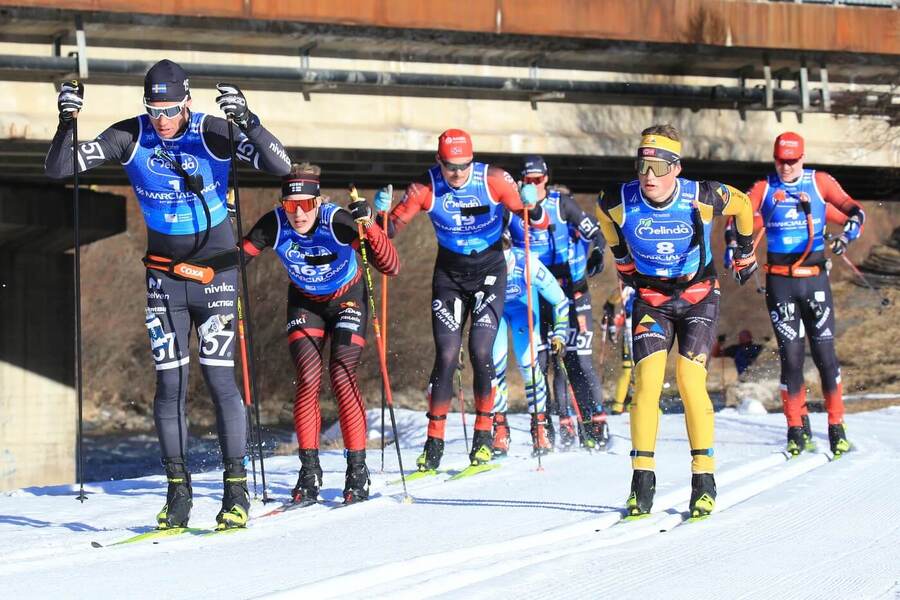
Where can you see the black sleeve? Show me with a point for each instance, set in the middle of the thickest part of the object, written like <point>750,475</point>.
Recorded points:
<point>714,194</point>
<point>116,143</point>
<point>257,146</point>
<point>606,199</point>
<point>344,227</point>
<point>583,222</point>
<point>262,235</point>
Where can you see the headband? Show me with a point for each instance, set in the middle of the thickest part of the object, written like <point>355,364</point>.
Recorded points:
<point>659,146</point>
<point>291,187</point>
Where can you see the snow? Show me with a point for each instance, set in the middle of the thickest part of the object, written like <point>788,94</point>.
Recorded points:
<point>804,528</point>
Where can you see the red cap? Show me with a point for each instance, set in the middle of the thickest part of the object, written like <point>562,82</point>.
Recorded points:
<point>788,146</point>
<point>453,144</point>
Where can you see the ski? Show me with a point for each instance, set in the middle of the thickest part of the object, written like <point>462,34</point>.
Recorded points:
<point>155,534</point>
<point>416,475</point>
<point>474,470</point>
<point>288,505</point>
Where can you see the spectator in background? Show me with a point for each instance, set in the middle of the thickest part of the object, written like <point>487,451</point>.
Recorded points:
<point>744,353</point>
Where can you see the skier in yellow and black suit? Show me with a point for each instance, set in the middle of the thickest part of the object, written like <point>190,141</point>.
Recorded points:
<point>658,227</point>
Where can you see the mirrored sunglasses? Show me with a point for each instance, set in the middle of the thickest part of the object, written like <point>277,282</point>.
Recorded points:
<point>170,112</point>
<point>659,167</point>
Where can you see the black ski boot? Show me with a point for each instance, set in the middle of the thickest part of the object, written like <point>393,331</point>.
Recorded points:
<point>643,488</point>
<point>703,495</point>
<point>795,441</point>
<point>809,445</point>
<point>356,483</point>
<point>596,436</point>
<point>482,442</point>
<point>306,491</point>
<point>430,459</point>
<point>837,437</point>
<point>179,498</point>
<point>235,498</point>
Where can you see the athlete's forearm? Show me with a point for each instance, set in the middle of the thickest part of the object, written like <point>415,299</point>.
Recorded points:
<point>271,156</point>
<point>384,254</point>
<point>113,144</point>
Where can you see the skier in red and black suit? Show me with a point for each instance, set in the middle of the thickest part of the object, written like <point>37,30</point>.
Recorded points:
<point>466,201</point>
<point>793,205</point>
<point>317,243</point>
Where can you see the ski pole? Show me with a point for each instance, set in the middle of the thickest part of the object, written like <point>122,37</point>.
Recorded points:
<point>77,265</point>
<point>245,295</point>
<point>379,341</point>
<point>462,400</point>
<point>561,362</point>
<point>245,377</point>
<point>384,320</point>
<point>530,325</point>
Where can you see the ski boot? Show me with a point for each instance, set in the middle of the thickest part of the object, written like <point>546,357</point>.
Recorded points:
<point>703,495</point>
<point>179,498</point>
<point>235,499</point>
<point>551,431</point>
<point>481,448</point>
<point>500,444</point>
<point>838,440</point>
<point>809,444</point>
<point>796,443</point>
<point>597,436</point>
<point>430,459</point>
<point>567,433</point>
<point>539,441</point>
<point>643,487</point>
<point>306,491</point>
<point>356,483</point>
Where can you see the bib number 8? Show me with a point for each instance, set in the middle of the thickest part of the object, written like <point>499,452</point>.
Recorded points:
<point>665,248</point>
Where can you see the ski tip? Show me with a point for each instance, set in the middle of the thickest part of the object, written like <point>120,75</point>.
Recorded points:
<point>96,545</point>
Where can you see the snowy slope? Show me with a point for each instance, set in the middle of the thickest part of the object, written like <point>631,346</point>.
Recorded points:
<point>783,529</point>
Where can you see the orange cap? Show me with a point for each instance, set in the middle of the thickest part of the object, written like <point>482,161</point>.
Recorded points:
<point>454,143</point>
<point>788,146</point>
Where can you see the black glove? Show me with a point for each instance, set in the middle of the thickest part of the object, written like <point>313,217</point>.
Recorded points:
<point>233,103</point>
<point>852,229</point>
<point>70,100</point>
<point>595,262</point>
<point>744,259</point>
<point>360,211</point>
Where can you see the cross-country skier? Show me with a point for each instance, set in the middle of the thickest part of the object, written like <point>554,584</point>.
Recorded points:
<point>178,163</point>
<point>317,242</point>
<point>465,201</point>
<point>657,227</point>
<point>515,319</point>
<point>612,322</point>
<point>793,205</point>
<point>556,247</point>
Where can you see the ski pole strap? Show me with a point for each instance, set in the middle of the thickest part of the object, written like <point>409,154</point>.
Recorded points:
<point>702,452</point>
<point>638,453</point>
<point>432,417</point>
<point>198,270</point>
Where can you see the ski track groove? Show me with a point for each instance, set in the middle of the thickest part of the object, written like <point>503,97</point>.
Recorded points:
<point>422,566</point>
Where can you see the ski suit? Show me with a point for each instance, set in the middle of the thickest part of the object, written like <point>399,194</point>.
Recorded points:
<point>167,175</point>
<point>798,293</point>
<point>326,299</point>
<point>469,277</point>
<point>561,248</point>
<point>515,319</point>
<point>677,298</point>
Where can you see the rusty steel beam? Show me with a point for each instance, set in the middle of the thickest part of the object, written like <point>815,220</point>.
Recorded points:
<point>733,23</point>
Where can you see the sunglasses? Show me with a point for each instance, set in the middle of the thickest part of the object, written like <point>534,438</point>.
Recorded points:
<point>789,163</point>
<point>659,167</point>
<point>291,206</point>
<point>534,179</point>
<point>454,167</point>
<point>170,112</point>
